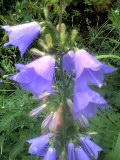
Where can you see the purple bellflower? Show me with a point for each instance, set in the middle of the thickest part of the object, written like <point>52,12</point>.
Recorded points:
<point>36,76</point>
<point>90,147</point>
<point>71,152</point>
<point>51,154</point>
<point>39,145</point>
<point>87,102</point>
<point>88,69</point>
<point>22,35</point>
<point>81,154</point>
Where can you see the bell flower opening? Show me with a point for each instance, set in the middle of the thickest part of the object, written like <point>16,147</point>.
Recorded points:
<point>22,35</point>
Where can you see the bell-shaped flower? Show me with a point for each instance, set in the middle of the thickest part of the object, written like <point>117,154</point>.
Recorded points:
<point>71,151</point>
<point>89,69</point>
<point>68,62</point>
<point>81,154</point>
<point>51,154</point>
<point>91,148</point>
<point>39,145</point>
<point>87,102</point>
<point>36,112</point>
<point>36,76</point>
<point>22,35</point>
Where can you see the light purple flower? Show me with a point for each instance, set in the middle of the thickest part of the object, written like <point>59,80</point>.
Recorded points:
<point>51,154</point>
<point>39,145</point>
<point>81,154</point>
<point>36,76</point>
<point>91,148</point>
<point>71,152</point>
<point>68,62</point>
<point>37,111</point>
<point>22,35</point>
<point>87,102</point>
<point>89,69</point>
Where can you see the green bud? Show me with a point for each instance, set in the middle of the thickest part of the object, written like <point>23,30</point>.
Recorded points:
<point>37,52</point>
<point>45,12</point>
<point>74,35</point>
<point>63,38</point>
<point>42,43</point>
<point>48,39</point>
<point>63,27</point>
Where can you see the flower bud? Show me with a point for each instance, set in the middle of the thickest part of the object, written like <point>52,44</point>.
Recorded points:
<point>48,39</point>
<point>47,120</point>
<point>70,105</point>
<point>62,37</point>
<point>63,28</point>
<point>45,10</point>
<point>73,35</point>
<point>56,122</point>
<point>36,112</point>
<point>37,52</point>
<point>42,43</point>
<point>83,120</point>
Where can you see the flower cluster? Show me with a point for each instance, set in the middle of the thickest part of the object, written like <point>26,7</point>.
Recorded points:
<point>38,77</point>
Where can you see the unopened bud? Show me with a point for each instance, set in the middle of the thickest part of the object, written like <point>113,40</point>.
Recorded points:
<point>56,122</point>
<point>63,28</point>
<point>47,121</point>
<point>45,12</point>
<point>74,35</point>
<point>36,112</point>
<point>37,52</point>
<point>42,43</point>
<point>63,37</point>
<point>44,95</point>
<point>70,105</point>
<point>48,39</point>
<point>83,120</point>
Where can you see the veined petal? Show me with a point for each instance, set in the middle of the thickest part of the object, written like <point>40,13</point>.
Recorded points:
<point>71,151</point>
<point>80,154</point>
<point>51,154</point>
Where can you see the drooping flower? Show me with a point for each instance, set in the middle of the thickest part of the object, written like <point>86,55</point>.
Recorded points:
<point>39,145</point>
<point>89,69</point>
<point>91,148</point>
<point>71,151</point>
<point>81,154</point>
<point>36,76</point>
<point>36,112</point>
<point>22,35</point>
<point>87,102</point>
<point>51,154</point>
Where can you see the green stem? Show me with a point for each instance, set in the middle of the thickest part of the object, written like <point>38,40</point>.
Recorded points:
<point>107,56</point>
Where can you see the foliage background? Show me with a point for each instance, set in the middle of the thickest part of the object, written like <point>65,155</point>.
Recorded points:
<point>98,24</point>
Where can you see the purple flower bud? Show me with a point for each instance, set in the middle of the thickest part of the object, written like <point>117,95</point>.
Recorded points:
<point>39,145</point>
<point>36,76</point>
<point>47,120</point>
<point>87,102</point>
<point>71,152</point>
<point>80,154</point>
<point>90,147</point>
<point>22,35</point>
<point>51,154</point>
<point>83,120</point>
<point>36,112</point>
